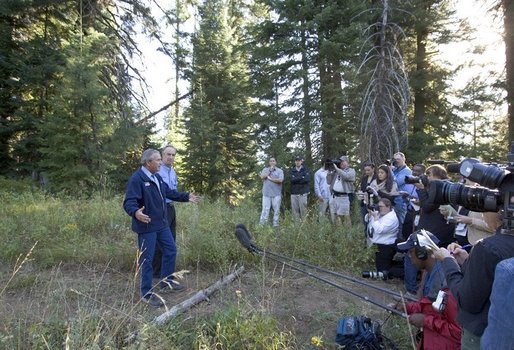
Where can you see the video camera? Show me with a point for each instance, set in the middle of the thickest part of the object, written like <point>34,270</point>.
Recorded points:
<point>497,193</point>
<point>330,162</point>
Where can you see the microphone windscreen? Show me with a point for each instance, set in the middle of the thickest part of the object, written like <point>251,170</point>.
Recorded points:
<point>244,237</point>
<point>453,168</point>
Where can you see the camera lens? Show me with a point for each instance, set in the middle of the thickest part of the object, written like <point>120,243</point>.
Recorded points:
<point>375,274</point>
<point>473,198</point>
<point>486,175</point>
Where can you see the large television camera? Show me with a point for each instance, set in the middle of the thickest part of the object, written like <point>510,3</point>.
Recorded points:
<point>496,193</point>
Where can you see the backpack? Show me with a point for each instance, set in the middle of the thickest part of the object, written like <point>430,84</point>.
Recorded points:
<point>359,332</point>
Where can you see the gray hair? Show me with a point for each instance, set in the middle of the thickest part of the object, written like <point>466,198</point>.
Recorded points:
<point>168,146</point>
<point>147,155</point>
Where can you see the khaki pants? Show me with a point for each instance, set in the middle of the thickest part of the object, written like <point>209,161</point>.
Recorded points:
<point>299,206</point>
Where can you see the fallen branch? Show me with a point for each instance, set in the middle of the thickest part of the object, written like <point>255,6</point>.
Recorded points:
<point>187,304</point>
<point>198,297</point>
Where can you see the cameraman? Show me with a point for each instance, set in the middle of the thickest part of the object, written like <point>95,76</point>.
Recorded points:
<point>341,187</point>
<point>470,278</point>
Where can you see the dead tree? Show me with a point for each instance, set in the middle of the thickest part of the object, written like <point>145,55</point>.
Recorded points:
<point>383,112</point>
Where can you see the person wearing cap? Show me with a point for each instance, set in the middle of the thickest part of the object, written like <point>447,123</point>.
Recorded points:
<point>436,311</point>
<point>300,180</point>
<point>272,178</point>
<point>341,181</point>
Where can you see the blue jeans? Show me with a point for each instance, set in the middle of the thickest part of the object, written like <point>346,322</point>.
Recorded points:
<point>146,243</point>
<point>400,207</point>
<point>411,275</point>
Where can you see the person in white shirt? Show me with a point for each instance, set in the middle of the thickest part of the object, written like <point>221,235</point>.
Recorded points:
<point>322,190</point>
<point>382,231</point>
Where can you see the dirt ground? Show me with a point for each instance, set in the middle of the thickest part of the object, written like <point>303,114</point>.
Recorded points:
<point>303,305</point>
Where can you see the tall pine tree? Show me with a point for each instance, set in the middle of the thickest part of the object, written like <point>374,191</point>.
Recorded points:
<point>220,151</point>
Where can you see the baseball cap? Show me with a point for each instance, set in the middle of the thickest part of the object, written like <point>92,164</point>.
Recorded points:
<point>416,239</point>
<point>298,158</point>
<point>344,158</point>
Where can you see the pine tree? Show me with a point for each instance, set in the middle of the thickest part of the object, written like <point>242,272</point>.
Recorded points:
<point>220,151</point>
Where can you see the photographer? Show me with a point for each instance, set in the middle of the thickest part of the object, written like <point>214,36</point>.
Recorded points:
<point>470,226</point>
<point>382,226</point>
<point>436,312</point>
<point>366,180</point>
<point>470,278</point>
<point>384,186</point>
<point>430,219</point>
<point>413,208</point>
<point>341,187</point>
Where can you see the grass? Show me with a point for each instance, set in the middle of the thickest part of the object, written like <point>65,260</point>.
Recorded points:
<point>48,239</point>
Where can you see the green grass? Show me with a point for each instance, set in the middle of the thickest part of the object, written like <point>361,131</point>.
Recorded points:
<point>95,234</point>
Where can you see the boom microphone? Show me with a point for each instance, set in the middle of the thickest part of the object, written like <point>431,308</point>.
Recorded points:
<point>245,238</point>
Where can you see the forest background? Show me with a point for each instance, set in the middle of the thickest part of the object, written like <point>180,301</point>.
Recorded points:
<point>319,78</point>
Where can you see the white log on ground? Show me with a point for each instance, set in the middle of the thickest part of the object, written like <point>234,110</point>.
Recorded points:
<point>187,304</point>
<point>198,297</point>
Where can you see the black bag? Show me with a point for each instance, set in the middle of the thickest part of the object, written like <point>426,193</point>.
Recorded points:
<point>359,332</point>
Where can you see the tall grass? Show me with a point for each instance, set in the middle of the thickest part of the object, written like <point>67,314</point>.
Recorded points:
<point>94,234</point>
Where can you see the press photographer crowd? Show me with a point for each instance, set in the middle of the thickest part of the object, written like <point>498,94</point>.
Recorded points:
<point>445,229</point>
<point>451,241</point>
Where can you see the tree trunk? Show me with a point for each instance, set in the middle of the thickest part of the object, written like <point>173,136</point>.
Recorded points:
<point>307,109</point>
<point>508,21</point>
<point>419,95</point>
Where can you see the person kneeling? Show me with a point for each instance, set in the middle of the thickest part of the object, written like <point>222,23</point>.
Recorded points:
<point>436,312</point>
<point>382,230</point>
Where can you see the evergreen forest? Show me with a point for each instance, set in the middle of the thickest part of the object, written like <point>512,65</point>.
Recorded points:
<point>263,78</point>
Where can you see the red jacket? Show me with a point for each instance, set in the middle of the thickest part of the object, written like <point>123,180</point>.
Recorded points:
<point>440,330</point>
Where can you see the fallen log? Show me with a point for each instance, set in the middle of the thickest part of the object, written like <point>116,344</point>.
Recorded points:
<point>198,297</point>
<point>187,304</point>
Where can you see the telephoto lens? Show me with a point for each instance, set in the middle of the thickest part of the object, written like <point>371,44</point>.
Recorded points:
<point>378,275</point>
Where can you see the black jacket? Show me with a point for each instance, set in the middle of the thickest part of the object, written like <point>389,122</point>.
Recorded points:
<point>472,286</point>
<point>300,180</point>
<point>432,220</point>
